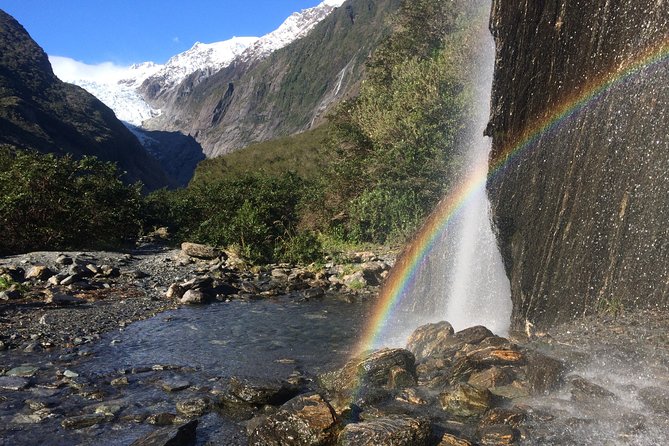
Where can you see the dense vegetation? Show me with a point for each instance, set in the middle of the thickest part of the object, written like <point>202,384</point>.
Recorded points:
<point>372,174</point>
<point>52,202</point>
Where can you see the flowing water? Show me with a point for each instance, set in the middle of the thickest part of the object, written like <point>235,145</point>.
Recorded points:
<point>462,278</point>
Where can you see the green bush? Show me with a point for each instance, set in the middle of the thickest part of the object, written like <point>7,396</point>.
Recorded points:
<point>255,214</point>
<point>51,202</point>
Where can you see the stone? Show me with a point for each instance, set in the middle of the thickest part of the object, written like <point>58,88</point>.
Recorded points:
<point>13,383</point>
<point>161,419</point>
<point>400,378</point>
<point>656,399</point>
<point>262,392</point>
<point>25,371</point>
<point>372,369</point>
<point>10,295</point>
<point>175,291</point>
<point>64,260</point>
<point>474,335</point>
<point>452,440</point>
<point>193,407</point>
<point>313,293</point>
<point>56,298</point>
<point>513,417</point>
<point>70,374</point>
<point>39,272</point>
<point>70,279</point>
<point>82,421</point>
<point>174,385</point>
<point>465,400</point>
<point>492,377</point>
<point>428,340</point>
<point>199,251</point>
<point>543,373</point>
<point>355,280</point>
<point>184,435</point>
<point>501,435</point>
<point>194,297</point>
<point>586,391</point>
<point>305,420</point>
<point>398,430</point>
<point>118,382</point>
<point>110,271</point>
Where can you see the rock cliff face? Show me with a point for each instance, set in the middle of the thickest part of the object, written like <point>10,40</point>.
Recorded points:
<point>39,112</point>
<point>580,123</point>
<point>289,91</point>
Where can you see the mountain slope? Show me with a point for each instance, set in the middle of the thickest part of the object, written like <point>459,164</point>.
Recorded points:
<point>40,112</point>
<point>286,92</point>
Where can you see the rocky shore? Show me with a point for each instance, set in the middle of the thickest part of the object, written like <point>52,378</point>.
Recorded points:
<point>56,299</point>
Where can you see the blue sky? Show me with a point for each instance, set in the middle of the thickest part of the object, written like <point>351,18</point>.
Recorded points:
<point>130,31</point>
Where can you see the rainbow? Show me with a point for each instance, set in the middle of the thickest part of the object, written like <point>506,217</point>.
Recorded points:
<point>406,269</point>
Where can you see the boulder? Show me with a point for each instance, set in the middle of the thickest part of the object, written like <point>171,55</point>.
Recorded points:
<point>195,297</point>
<point>193,407</point>
<point>39,272</point>
<point>175,291</point>
<point>373,369</point>
<point>56,298</point>
<point>500,435</point>
<point>184,435</point>
<point>429,339</point>
<point>465,400</point>
<point>305,420</point>
<point>11,294</point>
<point>398,430</point>
<point>261,392</point>
<point>200,251</point>
<point>586,391</point>
<point>13,383</point>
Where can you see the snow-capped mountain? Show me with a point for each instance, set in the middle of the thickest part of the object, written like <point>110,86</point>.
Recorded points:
<point>294,27</point>
<point>118,87</point>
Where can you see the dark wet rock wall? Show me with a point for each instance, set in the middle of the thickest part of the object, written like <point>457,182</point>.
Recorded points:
<point>582,209</point>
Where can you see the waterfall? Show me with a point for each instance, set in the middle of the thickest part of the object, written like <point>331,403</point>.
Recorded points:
<point>462,278</point>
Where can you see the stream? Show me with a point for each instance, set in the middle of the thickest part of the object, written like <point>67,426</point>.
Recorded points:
<point>201,346</point>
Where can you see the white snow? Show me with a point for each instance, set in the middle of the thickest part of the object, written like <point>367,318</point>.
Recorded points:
<point>117,86</point>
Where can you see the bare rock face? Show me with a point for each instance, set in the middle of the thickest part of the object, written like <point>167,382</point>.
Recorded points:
<point>579,123</point>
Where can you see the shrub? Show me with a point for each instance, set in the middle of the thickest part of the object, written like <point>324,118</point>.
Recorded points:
<point>51,202</point>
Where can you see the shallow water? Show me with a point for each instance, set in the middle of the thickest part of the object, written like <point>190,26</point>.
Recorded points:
<point>203,345</point>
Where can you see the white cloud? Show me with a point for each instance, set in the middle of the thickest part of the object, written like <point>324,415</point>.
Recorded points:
<point>70,70</point>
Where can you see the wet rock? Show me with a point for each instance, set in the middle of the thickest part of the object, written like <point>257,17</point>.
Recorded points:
<point>465,400</point>
<point>513,417</point>
<point>174,385</point>
<point>39,272</point>
<point>304,420</point>
<point>261,392</point>
<point>474,335</point>
<point>118,382</point>
<point>25,371</point>
<point>200,251</point>
<point>82,421</point>
<point>388,431</point>
<point>373,369</point>
<point>313,293</point>
<point>492,377</point>
<point>184,435</point>
<point>586,391</point>
<point>161,419</point>
<point>655,398</point>
<point>429,339</point>
<point>501,435</point>
<point>543,373</point>
<point>193,407</point>
<point>13,383</point>
<point>452,440</point>
<point>372,272</point>
<point>401,378</point>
